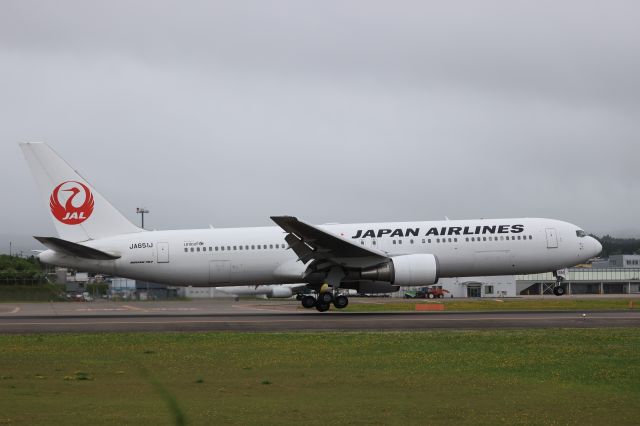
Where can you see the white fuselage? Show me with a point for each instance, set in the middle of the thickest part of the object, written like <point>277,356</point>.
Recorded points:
<point>252,256</point>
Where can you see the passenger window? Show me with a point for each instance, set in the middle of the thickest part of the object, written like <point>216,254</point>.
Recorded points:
<point>186,249</point>
<point>437,240</point>
<point>484,238</point>
<point>399,241</point>
<point>270,246</point>
<point>228,248</point>
<point>362,242</point>
<point>411,241</point>
<point>518,236</point>
<point>429,240</point>
<point>393,241</point>
<point>253,247</point>
<point>373,242</point>
<point>423,241</point>
<point>449,239</point>
<point>455,240</point>
<point>198,249</point>
<point>216,248</point>
<point>531,237</point>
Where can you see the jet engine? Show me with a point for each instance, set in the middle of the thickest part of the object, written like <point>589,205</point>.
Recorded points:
<point>407,270</point>
<point>280,292</point>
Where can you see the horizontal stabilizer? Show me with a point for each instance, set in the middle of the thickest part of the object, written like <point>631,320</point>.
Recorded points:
<point>75,249</point>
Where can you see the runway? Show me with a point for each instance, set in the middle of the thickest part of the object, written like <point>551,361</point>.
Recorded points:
<point>253,317</point>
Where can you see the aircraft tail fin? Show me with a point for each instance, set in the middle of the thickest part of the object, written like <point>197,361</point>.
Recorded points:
<point>78,211</point>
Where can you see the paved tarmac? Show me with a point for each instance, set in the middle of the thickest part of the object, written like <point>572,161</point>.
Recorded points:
<point>282,316</point>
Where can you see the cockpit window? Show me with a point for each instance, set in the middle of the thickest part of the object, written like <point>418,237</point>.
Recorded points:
<point>580,233</point>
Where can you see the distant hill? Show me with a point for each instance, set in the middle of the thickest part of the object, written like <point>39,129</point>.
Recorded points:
<point>612,245</point>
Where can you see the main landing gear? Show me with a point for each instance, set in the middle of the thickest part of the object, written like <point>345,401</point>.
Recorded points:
<point>328,293</point>
<point>324,301</point>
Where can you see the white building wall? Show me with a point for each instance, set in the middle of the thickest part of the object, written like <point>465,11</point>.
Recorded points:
<point>201,293</point>
<point>497,286</point>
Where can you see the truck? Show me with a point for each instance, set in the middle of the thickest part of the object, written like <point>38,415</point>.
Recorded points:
<point>433,292</point>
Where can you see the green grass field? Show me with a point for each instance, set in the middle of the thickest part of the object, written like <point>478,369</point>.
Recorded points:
<point>567,376</point>
<point>547,304</point>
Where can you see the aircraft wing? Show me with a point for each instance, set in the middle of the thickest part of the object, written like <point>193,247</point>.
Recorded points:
<point>312,243</point>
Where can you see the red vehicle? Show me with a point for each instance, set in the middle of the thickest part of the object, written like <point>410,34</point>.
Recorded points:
<point>434,292</point>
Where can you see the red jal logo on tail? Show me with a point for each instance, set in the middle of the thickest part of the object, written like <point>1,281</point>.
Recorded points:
<point>70,213</point>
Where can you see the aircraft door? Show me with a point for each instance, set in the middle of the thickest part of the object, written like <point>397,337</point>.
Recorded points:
<point>163,252</point>
<point>219,272</point>
<point>552,238</point>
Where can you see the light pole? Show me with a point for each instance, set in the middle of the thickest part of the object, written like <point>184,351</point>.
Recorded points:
<point>142,211</point>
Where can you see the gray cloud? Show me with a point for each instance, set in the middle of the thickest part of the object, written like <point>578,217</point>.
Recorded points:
<point>228,112</point>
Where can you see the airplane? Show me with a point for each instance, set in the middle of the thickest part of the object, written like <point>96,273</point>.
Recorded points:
<point>367,257</point>
<point>270,291</point>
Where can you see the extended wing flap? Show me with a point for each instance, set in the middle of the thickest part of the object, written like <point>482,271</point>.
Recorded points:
<point>310,242</point>
<point>75,249</point>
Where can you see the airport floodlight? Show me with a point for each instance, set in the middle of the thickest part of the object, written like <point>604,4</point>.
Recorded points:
<point>141,211</point>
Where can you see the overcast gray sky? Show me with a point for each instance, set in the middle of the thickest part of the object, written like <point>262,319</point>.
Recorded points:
<point>227,112</point>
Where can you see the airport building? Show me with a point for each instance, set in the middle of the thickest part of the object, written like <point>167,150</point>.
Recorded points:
<point>620,274</point>
<point>140,290</point>
<point>583,281</point>
<point>498,286</point>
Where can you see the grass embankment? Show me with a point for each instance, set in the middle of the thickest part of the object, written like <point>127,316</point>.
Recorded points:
<point>31,293</point>
<point>589,376</point>
<point>551,304</point>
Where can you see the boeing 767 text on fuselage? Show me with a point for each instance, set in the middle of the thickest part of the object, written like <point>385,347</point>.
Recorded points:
<point>369,257</point>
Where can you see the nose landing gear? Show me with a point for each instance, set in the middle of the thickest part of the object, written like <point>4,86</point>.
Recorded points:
<point>558,290</point>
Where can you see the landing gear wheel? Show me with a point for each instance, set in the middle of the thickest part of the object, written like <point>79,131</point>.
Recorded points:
<point>558,291</point>
<point>341,302</point>
<point>326,297</point>
<point>322,307</point>
<point>308,301</point>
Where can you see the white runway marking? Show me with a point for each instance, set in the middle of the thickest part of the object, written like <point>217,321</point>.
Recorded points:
<point>258,309</point>
<point>129,308</point>
<point>134,308</point>
<point>263,320</point>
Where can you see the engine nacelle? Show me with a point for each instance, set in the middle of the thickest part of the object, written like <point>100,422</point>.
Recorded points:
<point>280,292</point>
<point>376,287</point>
<point>408,270</point>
